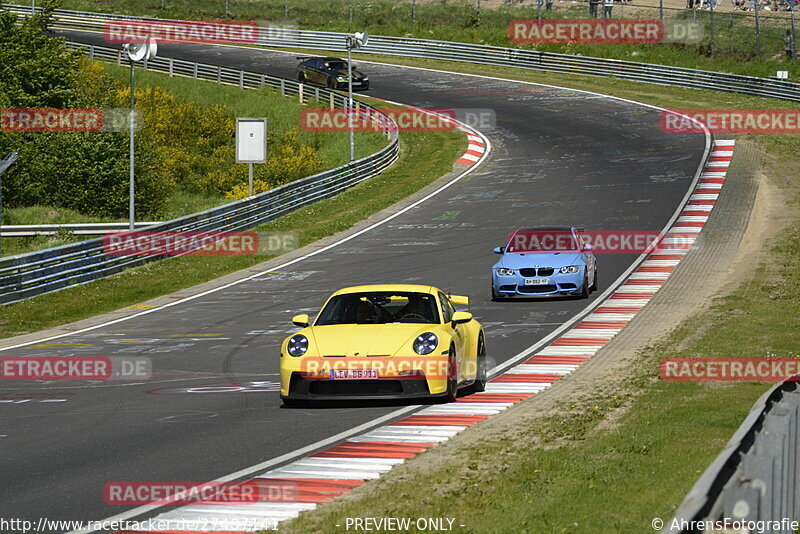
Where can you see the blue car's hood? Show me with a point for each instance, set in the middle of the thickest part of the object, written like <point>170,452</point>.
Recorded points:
<point>512,260</point>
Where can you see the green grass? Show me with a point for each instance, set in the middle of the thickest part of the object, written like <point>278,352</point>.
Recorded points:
<point>456,20</point>
<point>424,157</point>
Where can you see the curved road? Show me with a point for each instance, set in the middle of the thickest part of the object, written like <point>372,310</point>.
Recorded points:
<point>560,157</point>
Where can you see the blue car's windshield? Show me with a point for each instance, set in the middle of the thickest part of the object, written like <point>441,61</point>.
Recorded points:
<point>543,241</point>
<point>380,307</point>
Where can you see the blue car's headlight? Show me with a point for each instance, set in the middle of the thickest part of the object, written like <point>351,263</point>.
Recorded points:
<point>298,345</point>
<point>502,271</point>
<point>425,343</point>
<point>570,269</point>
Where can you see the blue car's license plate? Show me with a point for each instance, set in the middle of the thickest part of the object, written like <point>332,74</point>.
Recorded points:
<point>537,281</point>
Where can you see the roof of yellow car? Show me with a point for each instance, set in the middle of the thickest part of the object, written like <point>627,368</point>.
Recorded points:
<point>408,288</point>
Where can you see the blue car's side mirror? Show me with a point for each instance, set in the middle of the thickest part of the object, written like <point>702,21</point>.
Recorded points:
<point>499,250</point>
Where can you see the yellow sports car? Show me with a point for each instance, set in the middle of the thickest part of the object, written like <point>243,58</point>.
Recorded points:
<point>384,342</point>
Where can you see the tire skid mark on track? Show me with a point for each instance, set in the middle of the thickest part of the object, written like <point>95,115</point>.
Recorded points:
<point>367,456</point>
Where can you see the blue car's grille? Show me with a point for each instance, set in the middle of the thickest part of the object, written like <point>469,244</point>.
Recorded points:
<point>538,289</point>
<point>541,271</point>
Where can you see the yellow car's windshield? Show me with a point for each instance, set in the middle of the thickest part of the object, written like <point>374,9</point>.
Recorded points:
<point>381,307</point>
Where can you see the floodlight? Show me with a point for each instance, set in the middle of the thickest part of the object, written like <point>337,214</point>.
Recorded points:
<point>138,51</point>
<point>361,39</point>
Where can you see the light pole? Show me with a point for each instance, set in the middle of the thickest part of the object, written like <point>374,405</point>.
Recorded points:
<point>136,52</point>
<point>357,40</point>
<point>711,24</point>
<point>794,42</point>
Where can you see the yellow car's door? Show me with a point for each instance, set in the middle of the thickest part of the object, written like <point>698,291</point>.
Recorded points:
<point>460,337</point>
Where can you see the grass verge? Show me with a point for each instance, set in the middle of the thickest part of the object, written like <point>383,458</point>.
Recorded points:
<point>628,449</point>
<point>424,157</point>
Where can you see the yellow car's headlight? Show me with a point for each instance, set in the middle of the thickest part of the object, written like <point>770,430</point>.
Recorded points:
<point>425,343</point>
<point>298,345</point>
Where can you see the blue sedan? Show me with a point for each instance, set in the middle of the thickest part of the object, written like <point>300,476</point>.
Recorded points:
<point>540,261</point>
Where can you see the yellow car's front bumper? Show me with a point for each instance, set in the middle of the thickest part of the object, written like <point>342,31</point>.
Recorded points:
<point>398,377</point>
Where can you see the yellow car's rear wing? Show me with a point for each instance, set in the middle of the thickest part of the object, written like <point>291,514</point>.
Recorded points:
<point>459,300</point>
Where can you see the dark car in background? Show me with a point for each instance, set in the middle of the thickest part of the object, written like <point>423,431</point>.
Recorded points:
<point>330,72</point>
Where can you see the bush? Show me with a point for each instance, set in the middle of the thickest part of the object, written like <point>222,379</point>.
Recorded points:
<point>87,172</point>
<point>36,69</point>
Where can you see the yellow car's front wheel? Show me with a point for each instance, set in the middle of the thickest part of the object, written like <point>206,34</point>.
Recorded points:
<point>452,376</point>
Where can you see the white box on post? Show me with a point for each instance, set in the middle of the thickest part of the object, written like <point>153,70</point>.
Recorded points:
<point>251,143</point>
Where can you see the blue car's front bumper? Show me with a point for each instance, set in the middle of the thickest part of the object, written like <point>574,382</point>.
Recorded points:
<point>559,284</point>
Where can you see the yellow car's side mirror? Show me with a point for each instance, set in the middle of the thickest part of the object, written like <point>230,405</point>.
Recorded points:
<point>300,320</point>
<point>461,317</point>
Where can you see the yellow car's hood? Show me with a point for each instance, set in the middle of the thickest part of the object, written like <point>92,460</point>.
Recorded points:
<point>368,339</point>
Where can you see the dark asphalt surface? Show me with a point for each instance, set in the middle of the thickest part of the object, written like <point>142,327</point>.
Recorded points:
<point>560,157</point>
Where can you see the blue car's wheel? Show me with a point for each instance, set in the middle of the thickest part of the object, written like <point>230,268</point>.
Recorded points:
<point>585,289</point>
<point>495,295</point>
<point>593,287</point>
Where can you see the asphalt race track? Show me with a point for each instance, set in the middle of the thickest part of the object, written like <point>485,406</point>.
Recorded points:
<point>559,157</point>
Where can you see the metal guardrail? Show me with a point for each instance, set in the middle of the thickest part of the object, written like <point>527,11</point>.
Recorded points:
<point>756,478</point>
<point>28,230</point>
<point>27,275</point>
<point>484,55</point>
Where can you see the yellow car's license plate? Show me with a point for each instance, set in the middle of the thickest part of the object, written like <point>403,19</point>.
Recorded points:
<point>353,374</point>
